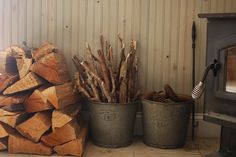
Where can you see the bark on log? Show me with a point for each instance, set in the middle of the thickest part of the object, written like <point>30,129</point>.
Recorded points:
<point>36,126</point>
<point>7,113</point>
<point>13,121</point>
<point>43,50</point>
<point>23,66</point>
<point>12,100</point>
<point>64,116</point>
<point>7,80</point>
<point>18,144</point>
<point>62,135</point>
<point>61,96</point>
<point>37,102</point>
<point>30,81</point>
<point>75,147</point>
<point>6,130</point>
<point>53,68</point>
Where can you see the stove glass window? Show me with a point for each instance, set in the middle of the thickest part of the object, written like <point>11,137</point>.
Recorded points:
<point>231,70</point>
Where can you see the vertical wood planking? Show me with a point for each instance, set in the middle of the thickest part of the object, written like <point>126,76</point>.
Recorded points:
<point>174,43</point>
<point>7,23</point>
<point>150,46</point>
<point>37,5</point>
<point>1,26</point>
<point>82,27</point>
<point>143,39</point>
<point>59,28</point>
<point>22,27</point>
<point>52,21</point>
<point>166,45</point>
<point>159,34</point>
<point>74,29</point>
<point>161,27</point>
<point>14,21</point>
<point>67,32</point>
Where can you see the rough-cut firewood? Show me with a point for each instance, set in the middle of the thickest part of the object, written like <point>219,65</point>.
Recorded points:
<point>62,135</point>
<point>7,113</point>
<point>3,144</point>
<point>14,108</point>
<point>12,100</point>
<point>64,116</point>
<point>53,68</point>
<point>37,102</point>
<point>5,130</point>
<point>170,93</point>
<point>23,66</point>
<point>75,147</point>
<point>30,81</point>
<point>148,95</point>
<point>61,96</point>
<point>36,126</point>
<point>7,80</point>
<point>43,50</point>
<point>16,51</point>
<point>18,144</point>
<point>13,121</point>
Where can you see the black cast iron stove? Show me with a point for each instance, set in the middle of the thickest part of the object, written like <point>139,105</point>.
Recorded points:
<point>220,90</point>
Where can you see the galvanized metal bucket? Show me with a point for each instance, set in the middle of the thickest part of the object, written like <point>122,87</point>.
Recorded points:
<point>165,124</point>
<point>112,124</point>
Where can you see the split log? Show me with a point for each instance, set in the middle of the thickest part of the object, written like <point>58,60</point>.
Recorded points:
<point>16,51</point>
<point>13,121</point>
<point>63,116</point>
<point>7,113</point>
<point>7,80</point>
<point>149,95</point>
<point>3,144</point>
<point>5,130</point>
<point>53,68</point>
<point>61,96</point>
<point>75,147</point>
<point>37,102</point>
<point>23,66</point>
<point>11,100</point>
<point>62,135</point>
<point>18,144</point>
<point>36,126</point>
<point>43,50</point>
<point>14,108</point>
<point>170,93</point>
<point>30,81</point>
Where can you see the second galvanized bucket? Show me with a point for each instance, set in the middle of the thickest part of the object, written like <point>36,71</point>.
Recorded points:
<point>112,124</point>
<point>165,124</point>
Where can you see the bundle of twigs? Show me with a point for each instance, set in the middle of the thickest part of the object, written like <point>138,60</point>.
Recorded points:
<point>102,81</point>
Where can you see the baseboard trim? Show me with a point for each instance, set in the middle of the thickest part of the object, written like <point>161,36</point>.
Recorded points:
<point>202,128</point>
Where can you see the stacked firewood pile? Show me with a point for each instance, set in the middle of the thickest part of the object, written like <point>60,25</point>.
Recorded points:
<point>39,107</point>
<point>168,95</point>
<point>101,80</point>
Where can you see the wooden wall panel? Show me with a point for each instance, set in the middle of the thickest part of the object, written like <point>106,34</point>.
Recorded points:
<point>161,27</point>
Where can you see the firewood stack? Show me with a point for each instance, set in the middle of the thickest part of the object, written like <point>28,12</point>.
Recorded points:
<point>100,80</point>
<point>39,107</point>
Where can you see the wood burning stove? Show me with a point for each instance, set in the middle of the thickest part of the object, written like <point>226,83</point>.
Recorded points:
<point>220,90</point>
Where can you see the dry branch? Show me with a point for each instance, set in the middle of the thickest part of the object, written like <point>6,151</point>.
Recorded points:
<point>108,84</point>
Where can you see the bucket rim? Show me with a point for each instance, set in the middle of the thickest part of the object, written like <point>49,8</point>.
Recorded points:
<point>169,103</point>
<point>115,104</point>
